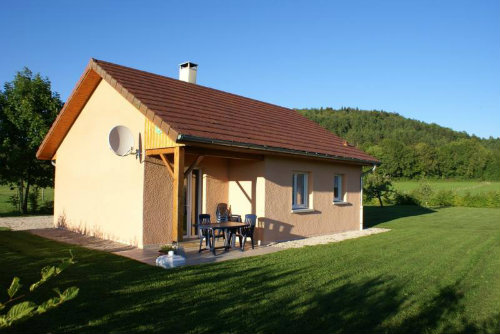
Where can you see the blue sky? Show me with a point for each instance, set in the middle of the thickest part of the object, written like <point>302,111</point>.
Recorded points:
<point>435,61</point>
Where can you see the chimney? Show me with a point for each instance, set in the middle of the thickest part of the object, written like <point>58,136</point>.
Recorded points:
<point>187,72</point>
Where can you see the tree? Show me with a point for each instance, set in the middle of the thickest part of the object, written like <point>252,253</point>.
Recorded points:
<point>28,107</point>
<point>377,185</point>
<point>411,149</point>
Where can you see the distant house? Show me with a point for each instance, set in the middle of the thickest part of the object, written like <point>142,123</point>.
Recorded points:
<point>197,147</point>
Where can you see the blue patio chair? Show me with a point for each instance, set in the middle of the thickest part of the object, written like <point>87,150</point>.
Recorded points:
<point>203,219</point>
<point>247,232</point>
<point>222,213</point>
<point>222,216</point>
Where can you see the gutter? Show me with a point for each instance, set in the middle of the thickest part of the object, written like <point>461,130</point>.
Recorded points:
<point>361,223</point>
<point>230,143</point>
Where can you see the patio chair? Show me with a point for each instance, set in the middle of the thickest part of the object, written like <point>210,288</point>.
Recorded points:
<point>222,213</point>
<point>247,232</point>
<point>222,216</point>
<point>203,233</point>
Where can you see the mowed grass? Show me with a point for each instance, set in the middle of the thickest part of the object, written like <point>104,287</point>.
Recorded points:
<point>6,209</point>
<point>459,187</point>
<point>437,271</point>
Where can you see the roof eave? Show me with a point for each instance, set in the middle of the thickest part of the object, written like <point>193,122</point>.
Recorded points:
<point>182,138</point>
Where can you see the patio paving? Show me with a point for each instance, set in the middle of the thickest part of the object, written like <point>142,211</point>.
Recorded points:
<point>189,249</point>
<point>149,255</point>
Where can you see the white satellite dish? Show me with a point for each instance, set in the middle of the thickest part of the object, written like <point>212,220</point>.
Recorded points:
<point>121,140</point>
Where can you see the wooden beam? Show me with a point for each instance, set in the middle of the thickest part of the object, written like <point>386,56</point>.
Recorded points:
<point>178,195</point>
<point>222,153</point>
<point>158,151</point>
<point>167,164</point>
<point>193,165</point>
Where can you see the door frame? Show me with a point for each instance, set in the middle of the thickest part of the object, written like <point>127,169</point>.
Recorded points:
<point>189,204</point>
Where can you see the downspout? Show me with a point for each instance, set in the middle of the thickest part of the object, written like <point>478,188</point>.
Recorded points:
<point>53,162</point>
<point>361,197</point>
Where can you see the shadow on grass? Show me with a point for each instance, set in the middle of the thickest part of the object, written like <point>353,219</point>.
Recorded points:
<point>277,293</point>
<point>374,215</point>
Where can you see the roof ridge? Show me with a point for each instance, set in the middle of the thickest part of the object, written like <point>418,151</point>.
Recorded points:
<point>189,84</point>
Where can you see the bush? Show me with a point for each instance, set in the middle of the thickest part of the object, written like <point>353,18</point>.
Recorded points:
<point>14,201</point>
<point>47,207</point>
<point>423,194</point>
<point>404,198</point>
<point>443,198</point>
<point>33,199</point>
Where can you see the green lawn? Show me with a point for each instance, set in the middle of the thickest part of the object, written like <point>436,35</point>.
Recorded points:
<point>436,271</point>
<point>6,209</point>
<point>460,187</point>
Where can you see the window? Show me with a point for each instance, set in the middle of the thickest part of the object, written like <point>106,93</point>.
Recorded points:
<point>338,190</point>
<point>300,191</point>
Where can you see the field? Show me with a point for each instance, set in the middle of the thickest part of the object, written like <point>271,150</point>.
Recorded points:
<point>6,209</point>
<point>460,187</point>
<point>436,271</point>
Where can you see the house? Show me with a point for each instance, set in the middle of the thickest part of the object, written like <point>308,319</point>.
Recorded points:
<point>196,147</point>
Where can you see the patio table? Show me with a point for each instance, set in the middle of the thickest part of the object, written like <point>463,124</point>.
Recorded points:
<point>228,229</point>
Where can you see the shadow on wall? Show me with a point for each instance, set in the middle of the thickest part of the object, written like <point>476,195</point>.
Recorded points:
<point>374,215</point>
<point>274,230</point>
<point>250,197</point>
<point>95,231</point>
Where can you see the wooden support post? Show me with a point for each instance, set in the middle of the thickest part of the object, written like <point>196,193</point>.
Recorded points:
<point>167,164</point>
<point>178,195</point>
<point>193,165</point>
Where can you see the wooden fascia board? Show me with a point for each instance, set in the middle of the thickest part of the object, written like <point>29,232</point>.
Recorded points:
<point>158,151</point>
<point>79,97</point>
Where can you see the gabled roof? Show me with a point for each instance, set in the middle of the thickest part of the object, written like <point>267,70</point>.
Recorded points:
<point>189,112</point>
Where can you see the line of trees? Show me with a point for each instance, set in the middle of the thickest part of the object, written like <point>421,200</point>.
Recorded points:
<point>413,149</point>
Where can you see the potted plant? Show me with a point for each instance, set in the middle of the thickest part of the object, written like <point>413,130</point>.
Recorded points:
<point>168,249</point>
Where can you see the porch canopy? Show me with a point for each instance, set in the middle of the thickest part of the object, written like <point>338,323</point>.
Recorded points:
<point>179,161</point>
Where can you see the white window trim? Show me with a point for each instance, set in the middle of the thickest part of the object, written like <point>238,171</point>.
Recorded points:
<point>341,198</point>
<point>304,206</point>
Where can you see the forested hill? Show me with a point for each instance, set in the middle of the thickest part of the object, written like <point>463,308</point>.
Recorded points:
<point>410,148</point>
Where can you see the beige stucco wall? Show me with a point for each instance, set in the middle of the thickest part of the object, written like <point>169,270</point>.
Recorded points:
<point>97,192</point>
<point>246,189</point>
<point>279,223</point>
<point>214,183</point>
<point>158,185</point>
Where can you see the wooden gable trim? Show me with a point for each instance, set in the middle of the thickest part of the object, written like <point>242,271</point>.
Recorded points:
<point>79,97</point>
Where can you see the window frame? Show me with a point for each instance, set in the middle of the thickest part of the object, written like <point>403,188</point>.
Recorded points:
<point>305,195</point>
<point>341,193</point>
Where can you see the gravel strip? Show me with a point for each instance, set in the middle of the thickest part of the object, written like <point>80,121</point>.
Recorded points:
<point>325,239</point>
<point>27,222</point>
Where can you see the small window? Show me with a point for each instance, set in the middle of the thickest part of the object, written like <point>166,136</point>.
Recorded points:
<point>300,191</point>
<point>338,190</point>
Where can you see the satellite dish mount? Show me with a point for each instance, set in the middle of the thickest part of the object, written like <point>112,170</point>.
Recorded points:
<point>121,141</point>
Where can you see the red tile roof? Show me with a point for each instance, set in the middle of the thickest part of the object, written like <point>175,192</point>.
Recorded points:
<point>196,113</point>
